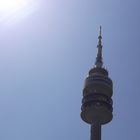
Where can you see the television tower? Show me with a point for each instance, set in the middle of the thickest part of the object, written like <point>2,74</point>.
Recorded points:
<point>97,104</point>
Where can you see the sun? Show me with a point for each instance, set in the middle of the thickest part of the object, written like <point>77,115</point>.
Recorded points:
<point>13,10</point>
<point>11,5</point>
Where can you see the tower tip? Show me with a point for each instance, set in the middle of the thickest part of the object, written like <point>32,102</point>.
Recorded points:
<point>100,30</point>
<point>99,62</point>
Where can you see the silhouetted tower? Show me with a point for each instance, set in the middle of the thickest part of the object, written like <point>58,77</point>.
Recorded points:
<point>97,103</point>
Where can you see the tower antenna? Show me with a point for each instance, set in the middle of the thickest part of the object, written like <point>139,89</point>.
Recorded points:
<point>99,61</point>
<point>100,30</point>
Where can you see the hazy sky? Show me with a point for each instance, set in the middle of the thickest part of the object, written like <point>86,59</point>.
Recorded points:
<point>46,51</point>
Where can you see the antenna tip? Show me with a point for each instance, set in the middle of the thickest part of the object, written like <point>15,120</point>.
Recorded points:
<point>100,30</point>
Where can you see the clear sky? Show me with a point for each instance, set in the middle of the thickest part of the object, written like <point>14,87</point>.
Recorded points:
<point>46,50</point>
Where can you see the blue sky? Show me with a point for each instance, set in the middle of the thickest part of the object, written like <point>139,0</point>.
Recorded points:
<point>45,58</point>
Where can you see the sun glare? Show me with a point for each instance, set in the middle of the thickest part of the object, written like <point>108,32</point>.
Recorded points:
<point>13,10</point>
<point>7,5</point>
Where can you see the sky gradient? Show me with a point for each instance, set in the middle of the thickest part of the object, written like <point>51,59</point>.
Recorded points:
<point>45,57</point>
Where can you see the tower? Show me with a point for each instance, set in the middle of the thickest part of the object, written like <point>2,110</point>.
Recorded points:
<point>97,104</point>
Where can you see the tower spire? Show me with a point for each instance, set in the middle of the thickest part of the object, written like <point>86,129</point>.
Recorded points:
<point>99,62</point>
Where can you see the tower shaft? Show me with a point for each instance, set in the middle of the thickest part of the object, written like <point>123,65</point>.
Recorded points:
<point>95,132</point>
